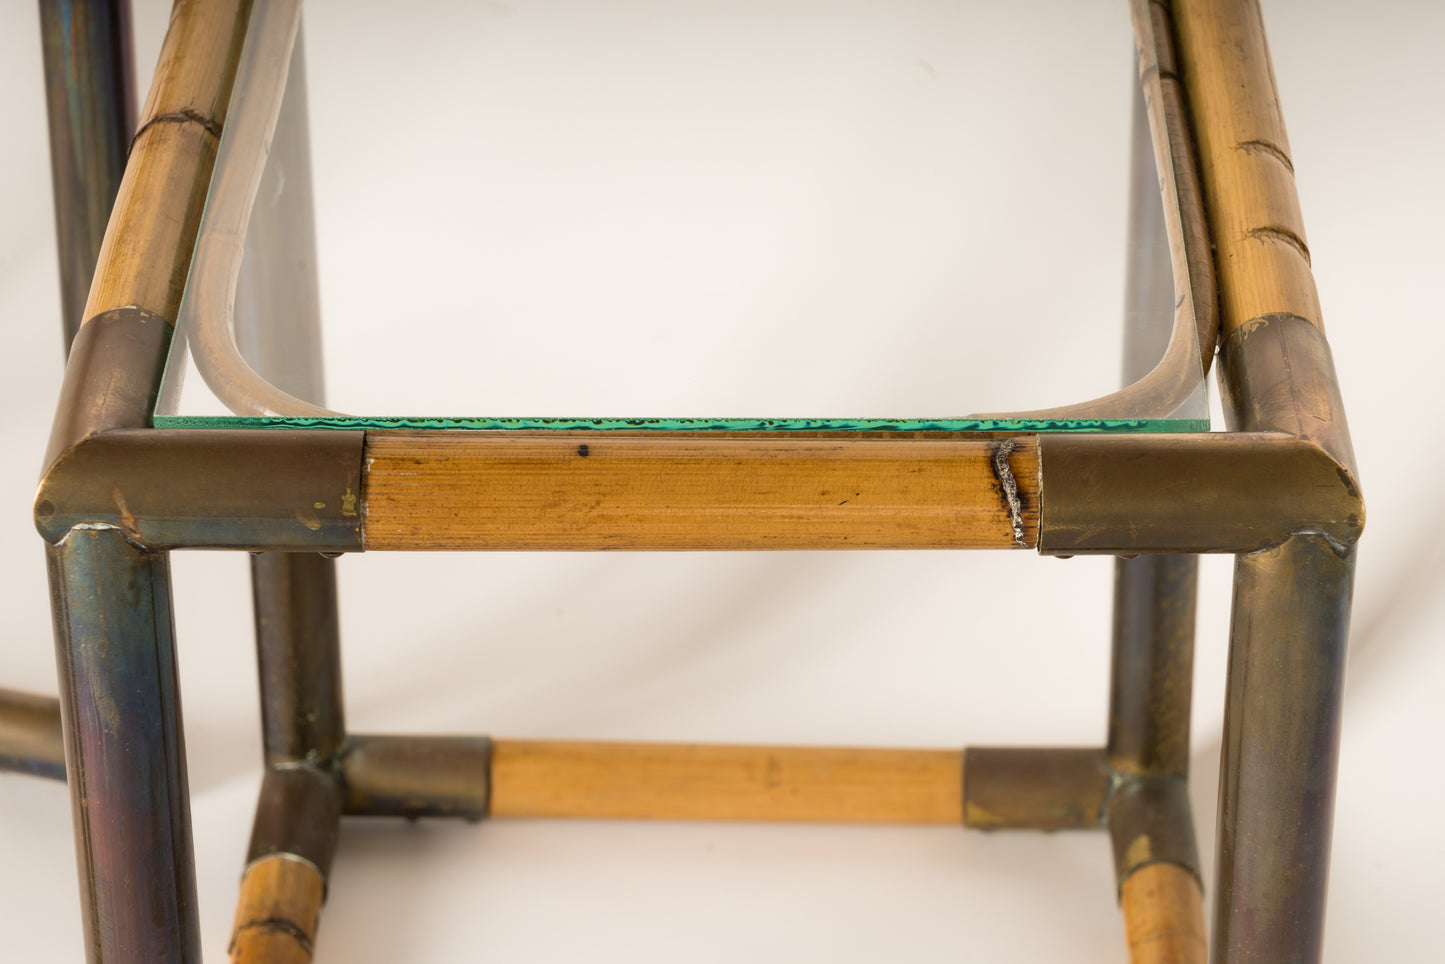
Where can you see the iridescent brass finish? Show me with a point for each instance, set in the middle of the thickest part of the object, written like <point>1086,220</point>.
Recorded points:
<point>1291,598</point>
<point>290,491</point>
<point>115,646</point>
<point>30,738</point>
<point>1277,375</point>
<point>1152,672</point>
<point>1150,823</point>
<point>120,700</point>
<point>124,350</point>
<point>90,99</point>
<point>297,815</point>
<point>1236,492</point>
<point>298,644</point>
<point>418,776</point>
<point>1280,750</point>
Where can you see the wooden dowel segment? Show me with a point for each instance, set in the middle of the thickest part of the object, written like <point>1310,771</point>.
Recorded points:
<point>1163,916</point>
<point>594,491</point>
<point>278,911</point>
<point>691,782</point>
<point>1262,257</point>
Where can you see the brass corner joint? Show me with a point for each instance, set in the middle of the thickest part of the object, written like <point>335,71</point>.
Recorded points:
<point>1238,492</point>
<point>254,490</point>
<point>1079,788</point>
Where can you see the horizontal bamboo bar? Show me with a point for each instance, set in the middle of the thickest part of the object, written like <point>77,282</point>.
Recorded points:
<point>589,491</point>
<point>1261,253</point>
<point>1163,916</point>
<point>690,782</point>
<point>278,911</point>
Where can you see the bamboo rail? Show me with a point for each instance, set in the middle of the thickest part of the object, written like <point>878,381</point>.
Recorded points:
<point>693,782</point>
<point>147,248</point>
<point>577,491</point>
<point>1262,257</point>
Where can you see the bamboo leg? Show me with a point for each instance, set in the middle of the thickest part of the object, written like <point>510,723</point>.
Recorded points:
<point>298,645</point>
<point>1163,916</point>
<point>1155,858</point>
<point>278,912</point>
<point>294,835</point>
<point>1292,601</point>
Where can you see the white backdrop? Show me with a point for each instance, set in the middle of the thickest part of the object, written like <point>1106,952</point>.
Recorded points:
<point>879,649</point>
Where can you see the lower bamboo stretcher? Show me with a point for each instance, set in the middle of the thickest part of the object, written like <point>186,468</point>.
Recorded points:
<point>281,898</point>
<point>691,782</point>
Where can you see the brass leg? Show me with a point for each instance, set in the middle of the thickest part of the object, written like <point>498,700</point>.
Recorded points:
<point>1280,751</point>
<point>120,700</point>
<point>294,835</point>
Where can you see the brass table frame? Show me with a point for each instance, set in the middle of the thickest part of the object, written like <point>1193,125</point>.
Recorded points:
<point>1278,490</point>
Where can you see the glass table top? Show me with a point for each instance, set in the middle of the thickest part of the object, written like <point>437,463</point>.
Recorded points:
<point>650,216</point>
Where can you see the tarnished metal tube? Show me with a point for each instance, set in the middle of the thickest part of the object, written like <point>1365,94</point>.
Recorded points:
<point>90,102</point>
<point>116,656</point>
<point>1157,869</point>
<point>297,814</point>
<point>298,650</point>
<point>1277,374</point>
<point>1152,672</point>
<point>418,776</point>
<point>125,351</point>
<point>1209,492</point>
<point>1034,788</point>
<point>1280,751</point>
<point>1291,600</point>
<point>30,737</point>
<point>223,489</point>
<point>1150,822</point>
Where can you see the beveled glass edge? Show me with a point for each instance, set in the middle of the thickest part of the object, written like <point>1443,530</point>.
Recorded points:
<point>945,425</point>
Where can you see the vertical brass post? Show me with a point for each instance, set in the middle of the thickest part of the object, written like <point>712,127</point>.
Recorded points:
<point>90,103</point>
<point>1156,863</point>
<point>116,655</point>
<point>298,645</point>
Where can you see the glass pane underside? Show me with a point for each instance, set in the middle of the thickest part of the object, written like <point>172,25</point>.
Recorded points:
<point>747,216</point>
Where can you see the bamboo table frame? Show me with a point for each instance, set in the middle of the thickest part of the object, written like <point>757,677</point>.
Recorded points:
<point>1278,491</point>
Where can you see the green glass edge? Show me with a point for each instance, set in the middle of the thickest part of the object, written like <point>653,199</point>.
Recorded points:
<point>1113,425</point>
